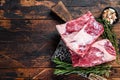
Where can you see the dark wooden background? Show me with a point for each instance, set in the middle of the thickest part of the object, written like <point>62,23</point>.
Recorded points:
<point>28,37</point>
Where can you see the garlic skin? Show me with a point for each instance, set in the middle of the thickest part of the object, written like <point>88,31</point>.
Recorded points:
<point>109,15</point>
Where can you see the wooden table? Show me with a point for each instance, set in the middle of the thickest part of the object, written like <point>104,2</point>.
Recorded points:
<point>28,37</point>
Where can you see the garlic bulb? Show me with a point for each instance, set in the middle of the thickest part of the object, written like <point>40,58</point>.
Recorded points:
<point>110,15</point>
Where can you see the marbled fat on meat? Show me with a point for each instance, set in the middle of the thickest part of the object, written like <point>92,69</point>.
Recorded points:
<point>100,52</point>
<point>77,24</point>
<point>80,33</point>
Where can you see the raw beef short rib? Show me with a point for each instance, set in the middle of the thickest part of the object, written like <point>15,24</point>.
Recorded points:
<point>100,52</point>
<point>80,33</point>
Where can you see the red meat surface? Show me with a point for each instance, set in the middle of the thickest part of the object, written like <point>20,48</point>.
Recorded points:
<point>80,33</point>
<point>100,52</point>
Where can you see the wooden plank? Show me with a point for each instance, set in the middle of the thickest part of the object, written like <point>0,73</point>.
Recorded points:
<point>46,74</point>
<point>30,9</point>
<point>114,64</point>
<point>114,73</point>
<point>33,12</point>
<point>87,3</point>
<point>70,3</point>
<point>96,10</point>
<point>75,12</point>
<point>26,54</point>
<point>33,25</point>
<point>27,73</point>
<point>6,61</point>
<point>84,3</point>
<point>29,25</point>
<point>114,79</point>
<point>78,11</point>
<point>28,37</point>
<point>19,9</point>
<point>116,29</point>
<point>32,45</point>
<point>28,31</point>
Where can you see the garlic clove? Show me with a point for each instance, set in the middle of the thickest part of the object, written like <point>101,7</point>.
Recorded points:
<point>110,14</point>
<point>111,21</point>
<point>112,10</point>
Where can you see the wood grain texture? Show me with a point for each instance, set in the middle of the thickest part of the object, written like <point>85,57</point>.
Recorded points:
<point>27,73</point>
<point>45,74</point>
<point>28,37</point>
<point>35,74</point>
<point>60,10</point>
<point>26,25</point>
<point>32,9</point>
<point>31,43</point>
<point>24,58</point>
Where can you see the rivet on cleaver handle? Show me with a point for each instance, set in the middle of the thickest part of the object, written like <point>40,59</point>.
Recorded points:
<point>60,10</point>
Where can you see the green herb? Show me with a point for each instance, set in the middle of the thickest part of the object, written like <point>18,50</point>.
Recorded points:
<point>109,34</point>
<point>67,68</point>
<point>64,68</point>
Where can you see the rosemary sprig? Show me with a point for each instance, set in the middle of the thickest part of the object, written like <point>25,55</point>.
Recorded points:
<point>109,34</point>
<point>67,68</point>
<point>64,68</point>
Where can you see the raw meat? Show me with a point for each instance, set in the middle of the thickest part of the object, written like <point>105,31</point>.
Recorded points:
<point>77,24</point>
<point>100,52</point>
<point>80,33</point>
